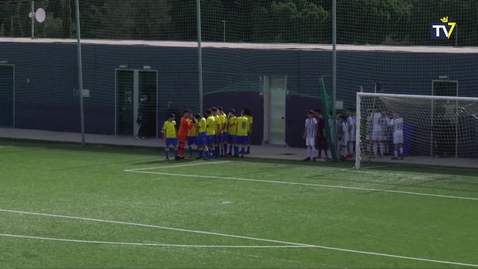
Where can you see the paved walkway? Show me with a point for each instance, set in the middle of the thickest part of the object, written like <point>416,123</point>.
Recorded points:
<point>269,152</point>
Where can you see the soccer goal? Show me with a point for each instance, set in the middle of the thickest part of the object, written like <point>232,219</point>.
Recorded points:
<point>429,130</point>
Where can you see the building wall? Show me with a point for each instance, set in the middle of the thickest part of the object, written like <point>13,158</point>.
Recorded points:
<point>48,102</point>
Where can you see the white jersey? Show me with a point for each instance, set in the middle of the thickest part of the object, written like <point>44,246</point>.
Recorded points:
<point>369,124</point>
<point>310,127</point>
<point>351,122</point>
<point>397,124</point>
<point>376,121</point>
<point>385,122</point>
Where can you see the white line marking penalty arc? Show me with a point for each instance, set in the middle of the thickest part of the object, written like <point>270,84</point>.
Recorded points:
<point>138,244</point>
<point>308,184</point>
<point>244,237</point>
<point>176,166</point>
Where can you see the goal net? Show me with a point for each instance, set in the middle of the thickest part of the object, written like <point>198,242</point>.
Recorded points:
<point>427,130</point>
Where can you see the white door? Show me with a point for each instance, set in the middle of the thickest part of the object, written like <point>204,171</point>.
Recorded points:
<point>277,108</point>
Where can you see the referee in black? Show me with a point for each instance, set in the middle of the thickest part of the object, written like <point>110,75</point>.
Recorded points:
<point>141,117</point>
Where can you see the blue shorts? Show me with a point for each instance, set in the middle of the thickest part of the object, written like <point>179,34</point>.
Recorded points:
<point>231,138</point>
<point>192,140</point>
<point>171,142</point>
<point>242,140</point>
<point>202,139</point>
<point>223,137</point>
<point>211,139</point>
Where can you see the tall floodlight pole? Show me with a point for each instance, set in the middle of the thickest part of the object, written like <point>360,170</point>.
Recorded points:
<point>80,69</point>
<point>224,31</point>
<point>334,67</point>
<point>33,19</point>
<point>198,15</point>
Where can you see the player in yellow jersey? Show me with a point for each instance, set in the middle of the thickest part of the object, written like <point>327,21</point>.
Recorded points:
<point>211,132</point>
<point>242,124</point>
<point>231,132</point>
<point>170,136</point>
<point>215,114</point>
<point>192,136</point>
<point>250,121</point>
<point>223,134</point>
<point>202,136</point>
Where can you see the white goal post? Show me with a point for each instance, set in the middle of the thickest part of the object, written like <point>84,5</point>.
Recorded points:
<point>433,126</point>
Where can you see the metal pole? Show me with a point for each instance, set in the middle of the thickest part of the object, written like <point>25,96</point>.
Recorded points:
<point>33,19</point>
<point>224,31</point>
<point>80,69</point>
<point>334,67</point>
<point>198,15</point>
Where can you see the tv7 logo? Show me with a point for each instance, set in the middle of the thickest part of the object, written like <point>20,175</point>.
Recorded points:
<point>443,30</point>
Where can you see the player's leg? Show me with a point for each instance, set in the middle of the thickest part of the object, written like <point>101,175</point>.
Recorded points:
<point>175,144</point>
<point>236,146</point>
<point>190,141</point>
<point>244,143</point>
<point>375,139</point>
<point>181,146</point>
<point>166,149</point>
<point>309,150</point>
<point>248,143</point>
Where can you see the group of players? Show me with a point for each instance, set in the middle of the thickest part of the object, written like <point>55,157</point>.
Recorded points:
<point>378,129</point>
<point>216,134</point>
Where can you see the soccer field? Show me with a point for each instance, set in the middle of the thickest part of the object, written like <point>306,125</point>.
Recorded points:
<point>66,206</point>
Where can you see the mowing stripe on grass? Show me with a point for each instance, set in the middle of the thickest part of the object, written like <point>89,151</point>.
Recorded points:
<point>138,244</point>
<point>242,237</point>
<point>176,166</point>
<point>308,184</point>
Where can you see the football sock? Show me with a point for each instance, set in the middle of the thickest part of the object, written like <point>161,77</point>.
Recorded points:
<point>224,150</point>
<point>329,155</point>
<point>242,151</point>
<point>395,154</point>
<point>212,151</point>
<point>401,151</point>
<point>351,148</point>
<point>248,148</point>
<point>381,148</point>
<point>313,152</point>
<point>308,152</point>
<point>200,153</point>
<point>208,154</point>
<point>190,151</point>
<point>167,153</point>
<point>176,153</point>
<point>375,149</point>
<point>236,150</point>
<point>230,148</point>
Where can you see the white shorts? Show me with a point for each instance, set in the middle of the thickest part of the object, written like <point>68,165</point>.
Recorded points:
<point>310,142</point>
<point>377,135</point>
<point>398,137</point>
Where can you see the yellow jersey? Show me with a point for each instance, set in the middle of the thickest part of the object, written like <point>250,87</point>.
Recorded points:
<point>193,131</point>
<point>169,128</point>
<point>250,121</point>
<point>232,129</point>
<point>242,126</point>
<point>202,125</point>
<point>224,122</point>
<point>218,123</point>
<point>211,125</point>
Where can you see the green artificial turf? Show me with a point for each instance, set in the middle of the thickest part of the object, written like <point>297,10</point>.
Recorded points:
<point>218,210</point>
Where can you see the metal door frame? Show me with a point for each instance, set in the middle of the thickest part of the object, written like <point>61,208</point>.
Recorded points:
<point>135,97</point>
<point>13,92</point>
<point>267,107</point>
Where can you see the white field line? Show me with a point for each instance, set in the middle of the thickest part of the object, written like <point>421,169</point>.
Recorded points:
<point>244,237</point>
<point>176,166</point>
<point>308,184</point>
<point>5,147</point>
<point>139,244</point>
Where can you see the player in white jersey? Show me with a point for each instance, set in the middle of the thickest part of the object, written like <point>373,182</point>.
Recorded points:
<point>344,136</point>
<point>351,130</point>
<point>369,129</point>
<point>377,136</point>
<point>397,123</point>
<point>386,132</point>
<point>310,135</point>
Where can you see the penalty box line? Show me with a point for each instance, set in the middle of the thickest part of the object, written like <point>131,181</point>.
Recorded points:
<point>243,237</point>
<point>306,184</point>
<point>176,166</point>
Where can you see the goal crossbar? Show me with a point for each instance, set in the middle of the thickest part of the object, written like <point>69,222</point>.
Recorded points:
<point>360,95</point>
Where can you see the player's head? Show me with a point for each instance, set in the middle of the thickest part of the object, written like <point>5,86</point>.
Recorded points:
<point>331,114</point>
<point>197,116</point>
<point>187,114</point>
<point>232,112</point>
<point>214,111</point>
<point>310,114</point>
<point>396,115</point>
<point>384,113</point>
<point>247,112</point>
<point>208,112</point>
<point>220,110</point>
<point>318,112</point>
<point>369,111</point>
<point>171,117</point>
